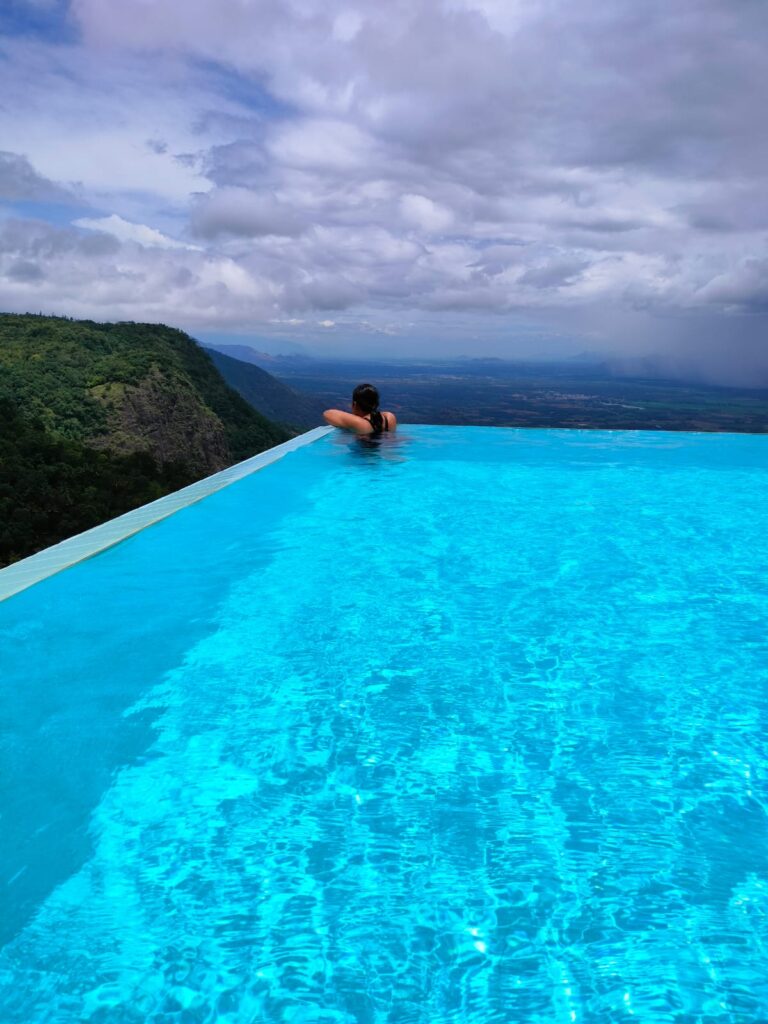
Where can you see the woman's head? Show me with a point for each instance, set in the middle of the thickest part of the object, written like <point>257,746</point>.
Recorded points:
<point>366,398</point>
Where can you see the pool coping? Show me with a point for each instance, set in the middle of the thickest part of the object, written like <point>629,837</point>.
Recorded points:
<point>25,573</point>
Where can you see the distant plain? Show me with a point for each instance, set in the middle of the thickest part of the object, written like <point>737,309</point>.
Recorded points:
<point>499,393</point>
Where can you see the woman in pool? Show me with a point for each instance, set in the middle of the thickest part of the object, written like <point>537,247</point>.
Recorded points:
<point>366,417</point>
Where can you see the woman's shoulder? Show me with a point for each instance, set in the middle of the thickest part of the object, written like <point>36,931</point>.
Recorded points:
<point>390,418</point>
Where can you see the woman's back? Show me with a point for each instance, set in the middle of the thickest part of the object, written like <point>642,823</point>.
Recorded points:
<point>366,417</point>
<point>381,421</point>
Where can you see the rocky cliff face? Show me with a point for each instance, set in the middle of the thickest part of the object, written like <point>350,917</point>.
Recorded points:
<point>166,419</point>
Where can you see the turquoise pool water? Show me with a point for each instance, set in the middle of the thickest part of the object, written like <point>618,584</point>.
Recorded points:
<point>471,725</point>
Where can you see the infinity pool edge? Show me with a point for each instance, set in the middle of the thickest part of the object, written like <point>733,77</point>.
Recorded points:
<point>35,568</point>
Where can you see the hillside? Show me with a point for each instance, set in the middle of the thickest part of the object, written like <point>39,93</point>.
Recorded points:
<point>267,394</point>
<point>245,354</point>
<point>96,419</point>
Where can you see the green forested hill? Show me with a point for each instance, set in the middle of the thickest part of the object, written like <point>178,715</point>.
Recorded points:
<point>267,394</point>
<point>96,419</point>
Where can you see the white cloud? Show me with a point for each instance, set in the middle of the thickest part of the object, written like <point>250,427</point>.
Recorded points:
<point>422,212</point>
<point>347,24</point>
<point>85,118</point>
<point>126,231</point>
<point>322,145</point>
<point>68,274</point>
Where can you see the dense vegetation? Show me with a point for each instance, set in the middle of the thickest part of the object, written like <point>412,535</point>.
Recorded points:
<point>96,419</point>
<point>51,488</point>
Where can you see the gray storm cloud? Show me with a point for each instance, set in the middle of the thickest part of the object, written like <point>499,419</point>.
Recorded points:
<point>20,182</point>
<point>242,212</point>
<point>596,168</point>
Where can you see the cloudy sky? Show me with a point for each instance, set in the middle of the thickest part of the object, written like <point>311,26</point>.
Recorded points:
<point>501,177</point>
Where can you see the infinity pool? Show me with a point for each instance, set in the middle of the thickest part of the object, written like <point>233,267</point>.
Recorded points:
<point>468,725</point>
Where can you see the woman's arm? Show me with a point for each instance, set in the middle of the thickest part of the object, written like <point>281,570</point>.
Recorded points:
<point>347,421</point>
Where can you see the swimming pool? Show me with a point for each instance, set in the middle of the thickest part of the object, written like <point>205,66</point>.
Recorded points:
<point>468,725</point>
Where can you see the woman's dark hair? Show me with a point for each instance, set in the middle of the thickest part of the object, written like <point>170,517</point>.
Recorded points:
<point>366,398</point>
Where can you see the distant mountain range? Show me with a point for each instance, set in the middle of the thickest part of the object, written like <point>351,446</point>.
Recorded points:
<point>96,419</point>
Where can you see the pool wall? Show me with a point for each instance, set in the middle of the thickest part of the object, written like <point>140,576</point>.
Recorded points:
<point>17,577</point>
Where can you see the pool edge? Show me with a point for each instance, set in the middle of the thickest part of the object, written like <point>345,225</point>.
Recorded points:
<point>35,568</point>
